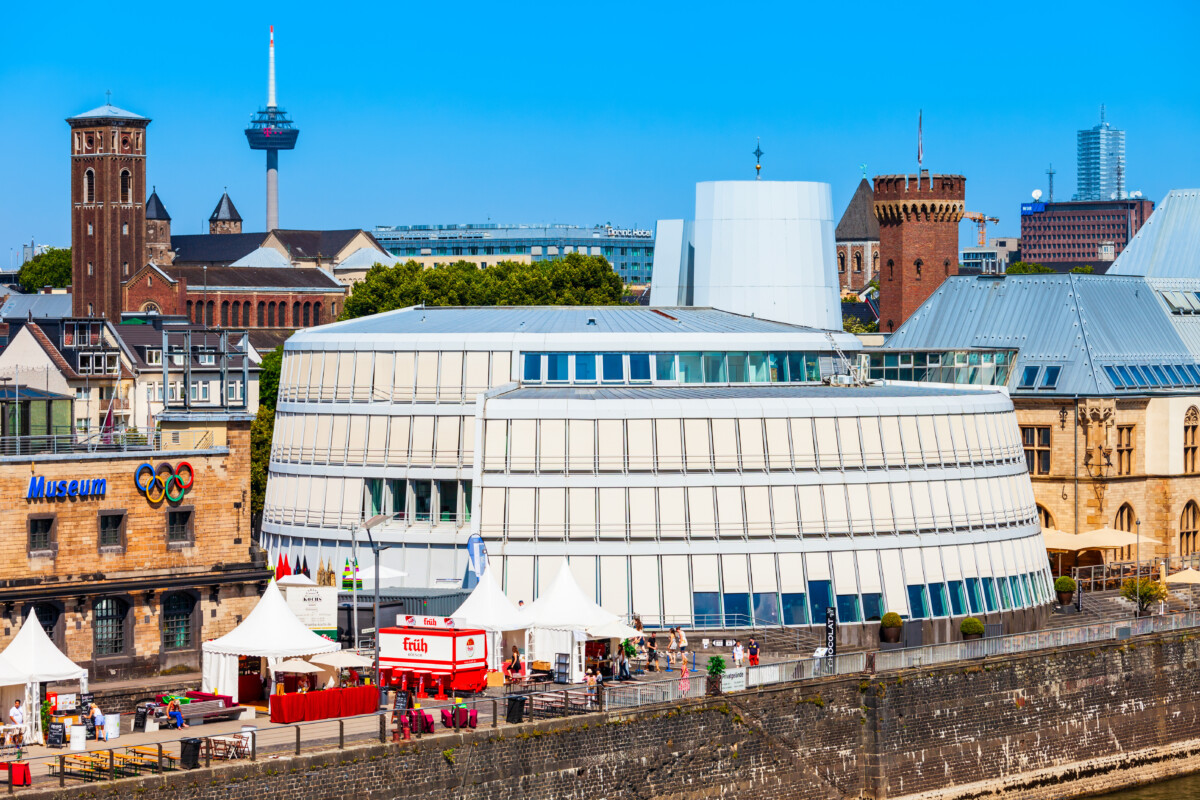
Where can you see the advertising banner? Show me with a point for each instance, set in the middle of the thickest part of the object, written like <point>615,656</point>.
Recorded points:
<point>316,607</point>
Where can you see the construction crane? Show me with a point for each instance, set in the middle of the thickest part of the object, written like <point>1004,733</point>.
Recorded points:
<point>981,220</point>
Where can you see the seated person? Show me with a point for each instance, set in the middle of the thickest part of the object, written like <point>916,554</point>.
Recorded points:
<point>175,712</point>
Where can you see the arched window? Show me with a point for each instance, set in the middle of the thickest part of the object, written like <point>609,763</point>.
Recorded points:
<point>262,311</point>
<point>918,264</point>
<point>109,626</point>
<point>841,262</point>
<point>1125,521</point>
<point>208,313</point>
<point>891,269</point>
<point>1189,524</point>
<point>282,314</point>
<point>126,186</point>
<point>189,310</point>
<point>1190,422</point>
<point>858,262</point>
<point>270,315</point>
<point>89,186</point>
<point>177,625</point>
<point>224,313</point>
<point>246,314</point>
<point>200,313</point>
<point>236,315</point>
<point>316,313</point>
<point>1045,516</point>
<point>946,266</point>
<point>307,314</point>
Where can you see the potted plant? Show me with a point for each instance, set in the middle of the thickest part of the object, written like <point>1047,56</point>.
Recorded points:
<point>971,628</point>
<point>1143,591</point>
<point>889,627</point>
<point>1065,586</point>
<point>716,668</point>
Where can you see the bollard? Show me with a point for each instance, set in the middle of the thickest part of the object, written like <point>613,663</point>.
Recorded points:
<point>341,734</point>
<point>254,745</point>
<point>382,729</point>
<point>495,712</point>
<point>405,731</point>
<point>566,703</point>
<point>600,697</point>
<point>207,752</point>
<point>112,768</point>
<point>159,762</point>
<point>297,740</point>
<point>62,770</point>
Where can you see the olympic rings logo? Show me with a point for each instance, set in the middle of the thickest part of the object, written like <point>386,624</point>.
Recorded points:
<point>165,481</point>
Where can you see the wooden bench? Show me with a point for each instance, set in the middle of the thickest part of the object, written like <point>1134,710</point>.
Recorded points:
<point>205,711</point>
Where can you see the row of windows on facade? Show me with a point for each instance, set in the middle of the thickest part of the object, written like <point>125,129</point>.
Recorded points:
<point>774,443</point>
<point>857,262</point>
<point>697,367</point>
<point>110,531</point>
<point>736,589</point>
<point>519,250</point>
<point>919,264</point>
<point>113,621</point>
<point>1036,440</point>
<point>959,367</point>
<point>366,375</point>
<point>705,512</point>
<point>269,314</point>
<point>198,391</point>
<point>418,501</point>
<point>125,188</point>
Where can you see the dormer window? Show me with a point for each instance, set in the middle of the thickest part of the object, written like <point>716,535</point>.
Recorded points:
<point>206,359</point>
<point>154,357</point>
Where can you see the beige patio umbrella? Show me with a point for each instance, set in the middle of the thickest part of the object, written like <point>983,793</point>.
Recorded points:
<point>1108,538</point>
<point>341,659</point>
<point>1058,540</point>
<point>1186,576</point>
<point>296,666</point>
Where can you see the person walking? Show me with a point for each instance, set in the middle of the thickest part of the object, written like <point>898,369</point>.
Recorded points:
<point>683,644</point>
<point>672,648</point>
<point>652,653</point>
<point>752,650</point>
<point>737,653</point>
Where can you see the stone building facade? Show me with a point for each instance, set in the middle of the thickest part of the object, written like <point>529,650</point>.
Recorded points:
<point>857,237</point>
<point>918,239</point>
<point>125,580</point>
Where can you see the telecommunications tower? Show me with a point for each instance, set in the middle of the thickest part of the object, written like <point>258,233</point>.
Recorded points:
<point>271,130</point>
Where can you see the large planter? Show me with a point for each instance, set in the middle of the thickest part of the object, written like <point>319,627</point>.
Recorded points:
<point>713,685</point>
<point>1065,598</point>
<point>969,636</point>
<point>889,635</point>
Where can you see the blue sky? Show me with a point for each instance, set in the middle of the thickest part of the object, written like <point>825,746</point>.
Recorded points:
<point>585,113</point>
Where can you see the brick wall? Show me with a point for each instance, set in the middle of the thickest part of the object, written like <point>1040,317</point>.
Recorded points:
<point>1050,726</point>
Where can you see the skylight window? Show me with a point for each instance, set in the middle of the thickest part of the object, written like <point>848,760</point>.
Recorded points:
<point>1029,377</point>
<point>1160,374</point>
<point>1114,377</point>
<point>1135,374</point>
<point>1176,378</point>
<point>1050,378</point>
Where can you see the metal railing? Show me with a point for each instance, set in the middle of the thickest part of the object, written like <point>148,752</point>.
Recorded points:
<point>112,441</point>
<point>1036,640</point>
<point>1102,577</point>
<point>806,669</point>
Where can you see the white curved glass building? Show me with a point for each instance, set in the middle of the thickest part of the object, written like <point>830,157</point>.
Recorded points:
<point>687,463</point>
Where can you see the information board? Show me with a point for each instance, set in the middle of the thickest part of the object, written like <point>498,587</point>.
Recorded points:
<point>56,734</point>
<point>734,680</point>
<point>316,607</point>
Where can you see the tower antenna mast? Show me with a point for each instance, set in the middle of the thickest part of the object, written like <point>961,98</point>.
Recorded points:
<point>1051,173</point>
<point>272,130</point>
<point>758,154</point>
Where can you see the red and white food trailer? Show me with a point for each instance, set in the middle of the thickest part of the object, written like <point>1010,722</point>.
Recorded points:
<point>446,656</point>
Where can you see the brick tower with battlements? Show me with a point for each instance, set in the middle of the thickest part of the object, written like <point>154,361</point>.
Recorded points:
<point>918,239</point>
<point>108,218</point>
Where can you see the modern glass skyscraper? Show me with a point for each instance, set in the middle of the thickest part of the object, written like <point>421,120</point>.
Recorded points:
<point>1100,153</point>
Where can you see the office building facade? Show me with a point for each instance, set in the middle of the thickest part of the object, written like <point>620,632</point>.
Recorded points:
<point>1100,163</point>
<point>1080,232</point>
<point>629,250</point>
<point>688,464</point>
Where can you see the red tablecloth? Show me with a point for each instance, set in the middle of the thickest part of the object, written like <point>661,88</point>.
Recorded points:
<point>18,773</point>
<point>249,688</point>
<point>325,704</point>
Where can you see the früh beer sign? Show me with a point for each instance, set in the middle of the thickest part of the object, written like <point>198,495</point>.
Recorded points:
<point>437,650</point>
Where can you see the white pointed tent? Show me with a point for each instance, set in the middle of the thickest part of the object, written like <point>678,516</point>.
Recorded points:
<point>270,631</point>
<point>489,608</point>
<point>29,660</point>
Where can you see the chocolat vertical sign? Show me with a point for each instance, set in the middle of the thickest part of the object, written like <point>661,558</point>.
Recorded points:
<point>830,634</point>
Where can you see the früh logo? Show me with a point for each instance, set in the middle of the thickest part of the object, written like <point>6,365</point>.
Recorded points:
<point>415,645</point>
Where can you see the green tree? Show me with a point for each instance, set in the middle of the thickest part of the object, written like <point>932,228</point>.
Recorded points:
<point>1143,591</point>
<point>51,268</point>
<point>852,324</point>
<point>1086,269</point>
<point>1025,268</point>
<point>574,279</point>
<point>262,430</point>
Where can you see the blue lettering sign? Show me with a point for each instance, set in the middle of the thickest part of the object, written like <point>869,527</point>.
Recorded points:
<point>40,488</point>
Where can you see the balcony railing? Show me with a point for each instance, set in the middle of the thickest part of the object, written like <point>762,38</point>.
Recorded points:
<point>113,441</point>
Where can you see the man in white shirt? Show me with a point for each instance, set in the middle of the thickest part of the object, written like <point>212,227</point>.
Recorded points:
<point>15,715</point>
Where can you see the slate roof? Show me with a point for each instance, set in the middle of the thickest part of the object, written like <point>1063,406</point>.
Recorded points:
<point>858,223</point>
<point>225,211</point>
<point>255,277</point>
<point>214,248</point>
<point>310,244</point>
<point>139,338</point>
<point>155,209</point>
<point>55,356</point>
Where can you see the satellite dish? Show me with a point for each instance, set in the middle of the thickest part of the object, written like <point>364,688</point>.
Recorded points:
<point>1037,195</point>
<point>1136,194</point>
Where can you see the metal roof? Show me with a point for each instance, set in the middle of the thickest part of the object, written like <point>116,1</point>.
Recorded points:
<point>40,306</point>
<point>107,112</point>
<point>752,391</point>
<point>1078,322</point>
<point>263,257</point>
<point>1168,245</point>
<point>558,320</point>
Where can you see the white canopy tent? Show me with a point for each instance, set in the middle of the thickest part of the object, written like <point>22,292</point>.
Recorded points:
<point>270,631</point>
<point>29,660</point>
<point>296,579</point>
<point>489,608</point>
<point>562,619</point>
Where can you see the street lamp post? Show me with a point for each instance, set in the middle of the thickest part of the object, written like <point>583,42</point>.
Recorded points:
<point>368,526</point>
<point>1138,556</point>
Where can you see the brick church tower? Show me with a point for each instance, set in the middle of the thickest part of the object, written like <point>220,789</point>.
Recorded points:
<point>108,219</point>
<point>158,232</point>
<point>918,239</point>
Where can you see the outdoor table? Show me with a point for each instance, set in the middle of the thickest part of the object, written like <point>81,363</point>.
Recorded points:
<point>18,773</point>
<point>287,708</point>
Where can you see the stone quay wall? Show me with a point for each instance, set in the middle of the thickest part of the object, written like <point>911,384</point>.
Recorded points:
<point>1062,724</point>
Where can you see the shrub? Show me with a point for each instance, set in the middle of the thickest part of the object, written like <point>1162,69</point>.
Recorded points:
<point>1064,583</point>
<point>890,620</point>
<point>971,626</point>
<point>716,667</point>
<point>629,648</point>
<point>1143,591</point>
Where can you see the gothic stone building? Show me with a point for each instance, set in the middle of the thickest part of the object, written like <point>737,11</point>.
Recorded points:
<point>857,237</point>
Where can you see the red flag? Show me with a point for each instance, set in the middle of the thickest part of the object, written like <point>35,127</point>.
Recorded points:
<point>920,144</point>
<point>285,569</point>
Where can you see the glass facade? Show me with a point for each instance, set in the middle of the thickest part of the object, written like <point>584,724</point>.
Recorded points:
<point>672,368</point>
<point>968,367</point>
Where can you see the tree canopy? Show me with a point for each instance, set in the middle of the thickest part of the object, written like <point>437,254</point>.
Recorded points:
<point>1086,269</point>
<point>574,279</point>
<point>51,268</point>
<point>1026,268</point>
<point>262,430</point>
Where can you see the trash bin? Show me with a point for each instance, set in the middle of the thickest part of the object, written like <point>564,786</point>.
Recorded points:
<point>516,710</point>
<point>189,753</point>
